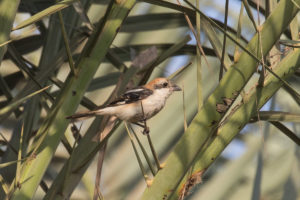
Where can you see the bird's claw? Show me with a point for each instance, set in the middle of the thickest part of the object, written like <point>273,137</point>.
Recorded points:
<point>146,130</point>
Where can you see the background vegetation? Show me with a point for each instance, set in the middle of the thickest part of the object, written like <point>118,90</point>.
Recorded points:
<point>233,133</point>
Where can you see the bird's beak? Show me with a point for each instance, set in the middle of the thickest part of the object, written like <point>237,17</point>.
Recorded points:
<point>175,87</point>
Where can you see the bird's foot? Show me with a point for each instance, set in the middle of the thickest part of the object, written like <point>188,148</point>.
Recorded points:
<point>146,130</point>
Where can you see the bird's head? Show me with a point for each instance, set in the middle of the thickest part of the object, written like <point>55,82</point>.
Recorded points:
<point>163,85</point>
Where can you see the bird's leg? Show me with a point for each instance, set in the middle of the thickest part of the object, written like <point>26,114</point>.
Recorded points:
<point>146,130</point>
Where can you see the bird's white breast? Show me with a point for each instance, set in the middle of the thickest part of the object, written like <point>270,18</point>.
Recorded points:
<point>154,103</point>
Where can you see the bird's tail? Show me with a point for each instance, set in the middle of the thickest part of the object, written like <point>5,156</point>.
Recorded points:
<point>85,115</point>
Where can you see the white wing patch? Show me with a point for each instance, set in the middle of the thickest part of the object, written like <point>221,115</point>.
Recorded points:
<point>135,90</point>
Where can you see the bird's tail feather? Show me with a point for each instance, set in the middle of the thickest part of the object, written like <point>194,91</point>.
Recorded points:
<point>84,115</point>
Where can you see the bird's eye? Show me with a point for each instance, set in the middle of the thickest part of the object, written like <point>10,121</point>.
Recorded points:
<point>165,84</point>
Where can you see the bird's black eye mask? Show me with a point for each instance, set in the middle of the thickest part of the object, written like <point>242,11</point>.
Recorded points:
<point>160,86</point>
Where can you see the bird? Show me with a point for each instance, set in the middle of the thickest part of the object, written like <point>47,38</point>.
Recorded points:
<point>137,104</point>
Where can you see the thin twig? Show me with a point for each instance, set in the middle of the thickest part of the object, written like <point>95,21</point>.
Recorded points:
<point>198,59</point>
<point>263,71</point>
<point>144,151</point>
<point>137,155</point>
<point>4,185</point>
<point>67,46</point>
<point>195,35</point>
<point>159,167</point>
<point>184,110</point>
<point>97,192</point>
<point>286,131</point>
<point>224,41</point>
<point>18,170</point>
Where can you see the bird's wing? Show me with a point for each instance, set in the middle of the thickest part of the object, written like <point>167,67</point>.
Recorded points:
<point>132,95</point>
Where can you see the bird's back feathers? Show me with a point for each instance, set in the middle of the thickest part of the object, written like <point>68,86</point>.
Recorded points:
<point>131,96</point>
